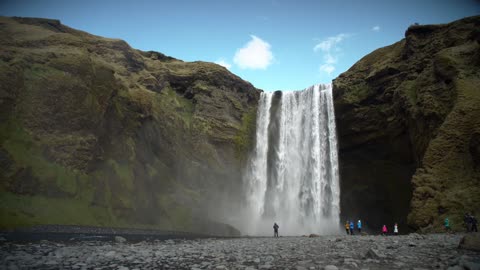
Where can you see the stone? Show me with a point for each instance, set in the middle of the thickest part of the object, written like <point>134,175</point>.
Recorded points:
<point>330,267</point>
<point>269,253</point>
<point>472,266</point>
<point>456,267</point>
<point>120,239</point>
<point>51,262</point>
<point>374,254</point>
<point>470,241</point>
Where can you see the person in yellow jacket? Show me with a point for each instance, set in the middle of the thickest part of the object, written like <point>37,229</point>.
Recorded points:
<point>347,227</point>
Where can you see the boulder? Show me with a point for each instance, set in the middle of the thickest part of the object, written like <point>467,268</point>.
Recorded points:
<point>373,254</point>
<point>120,239</point>
<point>470,242</point>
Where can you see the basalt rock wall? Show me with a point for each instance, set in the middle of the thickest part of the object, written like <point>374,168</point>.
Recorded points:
<point>408,119</point>
<point>93,132</point>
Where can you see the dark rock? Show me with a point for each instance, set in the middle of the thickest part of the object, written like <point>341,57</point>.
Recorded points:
<point>470,241</point>
<point>120,239</point>
<point>374,254</point>
<point>399,110</point>
<point>139,132</point>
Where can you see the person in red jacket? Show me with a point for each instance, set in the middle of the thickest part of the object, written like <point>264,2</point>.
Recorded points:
<point>384,230</point>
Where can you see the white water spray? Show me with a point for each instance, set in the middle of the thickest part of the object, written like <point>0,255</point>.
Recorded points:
<point>292,176</point>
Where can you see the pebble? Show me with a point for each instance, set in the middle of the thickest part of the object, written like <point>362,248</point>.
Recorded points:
<point>120,239</point>
<point>301,253</point>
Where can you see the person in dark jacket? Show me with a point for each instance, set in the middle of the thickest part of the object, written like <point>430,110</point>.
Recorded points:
<point>275,229</point>
<point>474,224</point>
<point>467,219</point>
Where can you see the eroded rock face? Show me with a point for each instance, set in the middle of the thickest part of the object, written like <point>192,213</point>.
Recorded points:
<point>115,136</point>
<point>408,118</point>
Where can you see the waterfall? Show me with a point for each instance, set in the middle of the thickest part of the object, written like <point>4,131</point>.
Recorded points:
<point>292,175</point>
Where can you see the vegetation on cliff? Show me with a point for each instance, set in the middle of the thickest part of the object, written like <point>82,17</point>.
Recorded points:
<point>409,126</point>
<point>94,132</point>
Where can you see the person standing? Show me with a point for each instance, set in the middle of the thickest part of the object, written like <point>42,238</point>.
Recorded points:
<point>275,229</point>
<point>474,224</point>
<point>359,226</point>
<point>384,230</point>
<point>347,227</point>
<point>352,228</point>
<point>447,225</point>
<point>395,229</point>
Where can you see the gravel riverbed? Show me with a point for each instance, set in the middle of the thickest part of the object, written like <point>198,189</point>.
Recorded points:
<point>414,251</point>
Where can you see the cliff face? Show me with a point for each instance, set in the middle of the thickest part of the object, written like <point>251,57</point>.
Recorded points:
<point>94,132</point>
<point>408,118</point>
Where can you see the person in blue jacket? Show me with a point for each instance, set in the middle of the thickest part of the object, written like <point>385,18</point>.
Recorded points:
<point>359,226</point>
<point>352,228</point>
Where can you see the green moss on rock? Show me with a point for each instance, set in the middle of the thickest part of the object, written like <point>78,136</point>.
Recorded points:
<point>413,107</point>
<point>113,136</point>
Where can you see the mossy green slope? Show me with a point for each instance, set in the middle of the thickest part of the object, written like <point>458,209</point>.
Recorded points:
<point>93,132</point>
<point>409,120</point>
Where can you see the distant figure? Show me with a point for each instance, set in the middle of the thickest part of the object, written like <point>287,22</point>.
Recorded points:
<point>447,225</point>
<point>384,230</point>
<point>467,219</point>
<point>395,229</point>
<point>359,226</point>
<point>275,229</point>
<point>347,227</point>
<point>352,228</point>
<point>474,224</point>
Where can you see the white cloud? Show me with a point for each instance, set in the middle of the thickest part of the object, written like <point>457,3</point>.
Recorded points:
<point>223,63</point>
<point>327,68</point>
<point>329,48</point>
<point>256,54</point>
<point>376,28</point>
<point>329,43</point>
<point>329,59</point>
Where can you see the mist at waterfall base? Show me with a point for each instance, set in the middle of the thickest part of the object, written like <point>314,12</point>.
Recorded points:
<point>292,174</point>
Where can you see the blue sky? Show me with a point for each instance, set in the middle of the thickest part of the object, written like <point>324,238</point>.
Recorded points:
<point>274,44</point>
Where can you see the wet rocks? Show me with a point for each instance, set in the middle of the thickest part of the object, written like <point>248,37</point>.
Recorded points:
<point>322,252</point>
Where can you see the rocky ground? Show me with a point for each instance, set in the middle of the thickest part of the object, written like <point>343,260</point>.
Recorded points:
<point>414,251</point>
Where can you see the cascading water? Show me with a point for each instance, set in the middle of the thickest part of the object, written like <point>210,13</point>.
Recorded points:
<point>292,176</point>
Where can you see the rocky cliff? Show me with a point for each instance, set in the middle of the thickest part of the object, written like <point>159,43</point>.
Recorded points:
<point>93,132</point>
<point>408,118</point>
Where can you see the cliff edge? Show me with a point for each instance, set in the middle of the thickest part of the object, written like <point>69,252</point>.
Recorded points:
<point>408,118</point>
<point>93,132</point>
